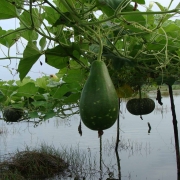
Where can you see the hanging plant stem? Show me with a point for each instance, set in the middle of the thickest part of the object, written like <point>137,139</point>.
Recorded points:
<point>140,97</point>
<point>176,138</point>
<point>77,19</point>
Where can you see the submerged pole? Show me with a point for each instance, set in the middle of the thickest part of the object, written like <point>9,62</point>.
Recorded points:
<point>118,164</point>
<point>100,163</point>
<point>176,138</point>
<point>117,138</point>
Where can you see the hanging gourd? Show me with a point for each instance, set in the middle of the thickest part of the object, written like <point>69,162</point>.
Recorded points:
<point>12,114</point>
<point>99,102</point>
<point>140,106</point>
<point>158,98</point>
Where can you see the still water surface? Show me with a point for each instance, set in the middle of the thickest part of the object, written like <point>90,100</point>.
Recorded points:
<point>143,155</point>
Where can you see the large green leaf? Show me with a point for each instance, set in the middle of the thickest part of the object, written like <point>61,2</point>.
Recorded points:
<point>7,10</point>
<point>30,56</point>
<point>74,76</point>
<point>27,90</point>
<point>57,62</point>
<point>50,14</point>
<point>58,57</point>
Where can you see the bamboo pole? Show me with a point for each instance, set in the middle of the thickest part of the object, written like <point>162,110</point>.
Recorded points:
<point>176,138</point>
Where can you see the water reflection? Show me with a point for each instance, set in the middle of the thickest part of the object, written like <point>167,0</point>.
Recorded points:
<point>141,155</point>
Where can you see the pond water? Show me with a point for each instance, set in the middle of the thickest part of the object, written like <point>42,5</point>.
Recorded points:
<point>143,155</point>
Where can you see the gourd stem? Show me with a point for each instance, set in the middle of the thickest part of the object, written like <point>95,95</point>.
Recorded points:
<point>100,43</point>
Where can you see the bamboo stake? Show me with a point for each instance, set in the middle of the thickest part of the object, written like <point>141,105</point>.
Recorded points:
<point>176,138</point>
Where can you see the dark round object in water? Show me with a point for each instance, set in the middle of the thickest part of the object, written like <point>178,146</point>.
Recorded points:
<point>12,114</point>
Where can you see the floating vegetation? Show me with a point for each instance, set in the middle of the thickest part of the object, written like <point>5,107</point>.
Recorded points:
<point>32,164</point>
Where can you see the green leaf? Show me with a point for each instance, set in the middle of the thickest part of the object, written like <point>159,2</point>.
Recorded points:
<point>109,6</point>
<point>74,75</point>
<point>10,39</point>
<point>33,114</point>
<point>58,92</point>
<point>42,82</point>
<point>72,98</point>
<point>8,90</point>
<point>162,8</point>
<point>139,1</point>
<point>49,114</point>
<point>24,81</point>
<point>59,56</point>
<point>27,90</point>
<point>30,56</point>
<point>25,18</point>
<point>40,104</point>
<point>42,43</point>
<point>65,21</point>
<point>29,35</point>
<point>2,97</point>
<point>7,10</point>
<point>57,62</point>
<point>50,14</point>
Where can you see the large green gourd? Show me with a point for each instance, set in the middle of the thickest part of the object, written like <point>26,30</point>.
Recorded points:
<point>99,102</point>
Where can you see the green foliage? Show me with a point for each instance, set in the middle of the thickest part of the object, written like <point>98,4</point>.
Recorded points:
<point>137,47</point>
<point>30,56</point>
<point>7,10</point>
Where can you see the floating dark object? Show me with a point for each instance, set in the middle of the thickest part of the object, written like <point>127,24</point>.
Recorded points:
<point>141,106</point>
<point>12,114</point>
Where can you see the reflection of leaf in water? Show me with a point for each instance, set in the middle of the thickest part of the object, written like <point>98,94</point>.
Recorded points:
<point>80,129</point>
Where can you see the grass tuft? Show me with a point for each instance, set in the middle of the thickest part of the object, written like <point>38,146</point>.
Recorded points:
<point>34,164</point>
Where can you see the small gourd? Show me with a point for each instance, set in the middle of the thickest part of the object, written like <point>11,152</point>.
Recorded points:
<point>99,101</point>
<point>141,106</point>
<point>12,114</point>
